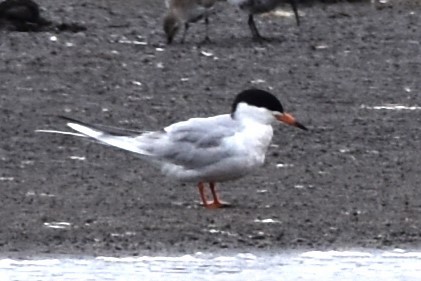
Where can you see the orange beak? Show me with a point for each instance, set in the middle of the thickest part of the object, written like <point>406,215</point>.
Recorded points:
<point>290,120</point>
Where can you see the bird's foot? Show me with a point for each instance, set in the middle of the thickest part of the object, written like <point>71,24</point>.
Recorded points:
<point>216,204</point>
<point>260,39</point>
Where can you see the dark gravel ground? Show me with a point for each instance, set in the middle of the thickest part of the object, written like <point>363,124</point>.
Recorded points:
<point>353,180</point>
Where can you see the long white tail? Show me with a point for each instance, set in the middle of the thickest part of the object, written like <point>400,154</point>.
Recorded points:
<point>60,132</point>
<point>129,143</point>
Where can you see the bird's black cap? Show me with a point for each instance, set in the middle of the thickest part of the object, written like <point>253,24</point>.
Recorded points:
<point>259,98</point>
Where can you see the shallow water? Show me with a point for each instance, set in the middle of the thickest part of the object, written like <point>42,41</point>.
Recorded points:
<point>311,265</point>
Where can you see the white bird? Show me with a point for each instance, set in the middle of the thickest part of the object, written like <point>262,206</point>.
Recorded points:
<point>182,13</point>
<point>253,7</point>
<point>205,150</point>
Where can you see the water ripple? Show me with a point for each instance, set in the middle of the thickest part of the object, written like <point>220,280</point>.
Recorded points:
<point>311,265</point>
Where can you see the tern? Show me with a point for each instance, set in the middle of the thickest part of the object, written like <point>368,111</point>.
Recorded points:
<point>203,150</point>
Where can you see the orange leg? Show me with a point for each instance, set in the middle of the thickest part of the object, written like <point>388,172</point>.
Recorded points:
<point>201,187</point>
<point>216,202</point>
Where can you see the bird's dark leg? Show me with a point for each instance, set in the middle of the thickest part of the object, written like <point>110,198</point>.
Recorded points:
<point>294,8</point>
<point>186,27</point>
<point>254,31</point>
<point>207,39</point>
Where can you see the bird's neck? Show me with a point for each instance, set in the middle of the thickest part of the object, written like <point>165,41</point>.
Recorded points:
<point>257,134</point>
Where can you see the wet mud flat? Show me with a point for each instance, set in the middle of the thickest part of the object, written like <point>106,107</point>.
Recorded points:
<point>349,72</point>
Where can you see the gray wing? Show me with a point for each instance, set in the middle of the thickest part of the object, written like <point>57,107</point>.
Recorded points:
<point>192,144</point>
